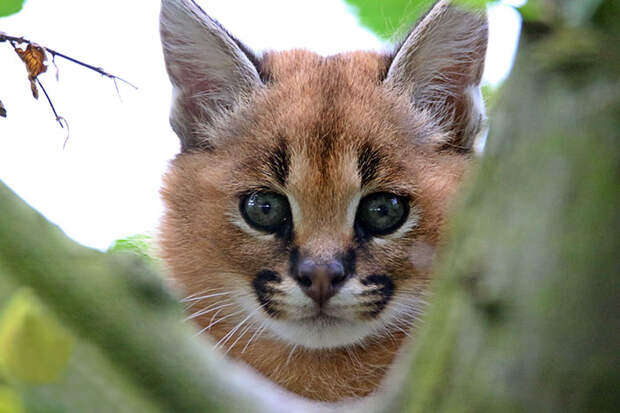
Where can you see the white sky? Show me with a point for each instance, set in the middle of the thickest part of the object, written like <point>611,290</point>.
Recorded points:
<point>104,184</point>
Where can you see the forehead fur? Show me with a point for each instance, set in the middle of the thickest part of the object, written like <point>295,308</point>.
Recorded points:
<point>322,127</point>
<point>315,112</point>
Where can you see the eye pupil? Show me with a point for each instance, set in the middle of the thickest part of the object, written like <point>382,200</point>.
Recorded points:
<point>382,210</point>
<point>265,208</point>
<point>381,213</point>
<point>265,211</point>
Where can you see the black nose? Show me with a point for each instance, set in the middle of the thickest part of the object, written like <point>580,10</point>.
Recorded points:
<point>320,281</point>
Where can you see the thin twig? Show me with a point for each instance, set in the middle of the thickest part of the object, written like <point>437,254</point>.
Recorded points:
<point>54,53</point>
<point>58,118</point>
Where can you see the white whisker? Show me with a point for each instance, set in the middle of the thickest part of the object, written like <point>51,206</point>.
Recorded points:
<point>241,334</point>
<point>228,335</point>
<point>290,355</point>
<point>219,320</point>
<point>208,309</point>
<point>256,334</point>
<point>203,297</point>
<point>202,292</point>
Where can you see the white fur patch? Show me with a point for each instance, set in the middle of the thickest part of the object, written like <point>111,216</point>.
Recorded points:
<point>238,221</point>
<point>340,325</point>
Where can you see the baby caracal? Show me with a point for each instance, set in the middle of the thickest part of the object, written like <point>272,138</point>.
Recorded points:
<point>305,207</point>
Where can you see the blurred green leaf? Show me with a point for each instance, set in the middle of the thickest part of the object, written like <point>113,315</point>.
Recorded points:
<point>534,11</point>
<point>8,7</point>
<point>9,401</point>
<point>34,347</point>
<point>390,18</point>
<point>139,244</point>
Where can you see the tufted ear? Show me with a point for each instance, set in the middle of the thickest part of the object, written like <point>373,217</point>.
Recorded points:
<point>211,71</point>
<point>439,66</point>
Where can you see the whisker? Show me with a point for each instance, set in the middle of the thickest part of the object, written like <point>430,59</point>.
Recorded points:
<point>203,297</point>
<point>219,320</point>
<point>241,334</point>
<point>228,335</point>
<point>256,334</point>
<point>208,309</point>
<point>202,292</point>
<point>290,355</point>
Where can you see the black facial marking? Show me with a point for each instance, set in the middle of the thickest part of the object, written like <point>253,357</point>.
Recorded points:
<point>368,162</point>
<point>279,160</point>
<point>293,262</point>
<point>384,291</point>
<point>362,236</point>
<point>348,262</point>
<point>264,291</point>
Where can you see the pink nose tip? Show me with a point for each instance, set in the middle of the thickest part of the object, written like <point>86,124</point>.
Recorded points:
<point>320,281</point>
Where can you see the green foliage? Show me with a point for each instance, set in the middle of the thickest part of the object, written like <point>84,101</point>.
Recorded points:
<point>572,12</point>
<point>391,18</point>
<point>9,401</point>
<point>8,7</point>
<point>34,347</point>
<point>139,244</point>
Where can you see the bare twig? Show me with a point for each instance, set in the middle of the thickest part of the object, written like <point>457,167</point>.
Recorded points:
<point>54,53</point>
<point>51,104</point>
<point>29,58</point>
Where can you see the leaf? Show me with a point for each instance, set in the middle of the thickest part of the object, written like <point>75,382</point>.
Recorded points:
<point>34,57</point>
<point>388,18</point>
<point>391,18</point>
<point>34,346</point>
<point>8,7</point>
<point>9,401</point>
<point>139,244</point>
<point>2,110</point>
<point>533,11</point>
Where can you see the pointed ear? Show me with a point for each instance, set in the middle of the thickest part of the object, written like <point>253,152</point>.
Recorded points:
<point>211,72</point>
<point>439,66</point>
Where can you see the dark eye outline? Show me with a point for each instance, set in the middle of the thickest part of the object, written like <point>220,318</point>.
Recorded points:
<point>278,228</point>
<point>365,230</point>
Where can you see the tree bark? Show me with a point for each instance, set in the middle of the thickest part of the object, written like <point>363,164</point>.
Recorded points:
<point>525,316</point>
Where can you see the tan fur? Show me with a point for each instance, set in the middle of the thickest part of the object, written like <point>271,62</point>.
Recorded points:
<point>325,108</point>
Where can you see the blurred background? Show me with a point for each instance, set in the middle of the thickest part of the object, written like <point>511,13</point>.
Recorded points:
<point>103,185</point>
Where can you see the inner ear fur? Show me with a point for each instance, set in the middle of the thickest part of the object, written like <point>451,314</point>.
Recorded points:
<point>211,71</point>
<point>439,67</point>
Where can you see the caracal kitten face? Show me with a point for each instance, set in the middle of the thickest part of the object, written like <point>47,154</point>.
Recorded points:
<point>305,207</point>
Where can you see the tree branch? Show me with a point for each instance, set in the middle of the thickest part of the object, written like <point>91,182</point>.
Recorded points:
<point>21,40</point>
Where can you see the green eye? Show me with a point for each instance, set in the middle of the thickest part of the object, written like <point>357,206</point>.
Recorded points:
<point>265,211</point>
<point>381,213</point>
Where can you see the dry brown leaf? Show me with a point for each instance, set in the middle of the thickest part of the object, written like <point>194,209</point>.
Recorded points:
<point>34,57</point>
<point>2,110</point>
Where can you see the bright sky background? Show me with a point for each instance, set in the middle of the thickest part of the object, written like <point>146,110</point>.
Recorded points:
<point>104,184</point>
